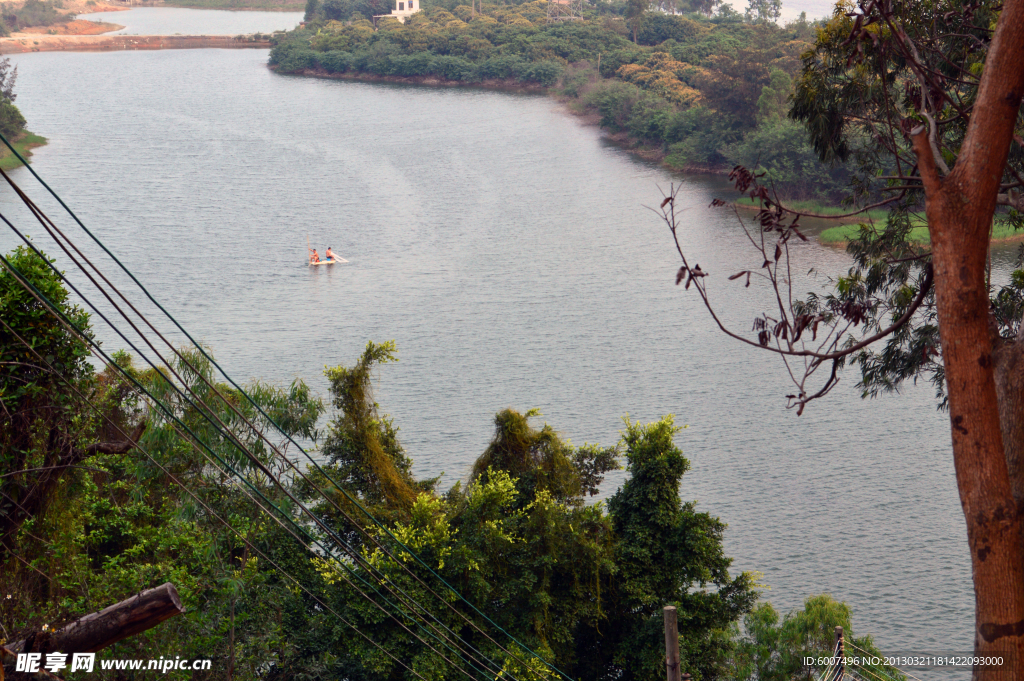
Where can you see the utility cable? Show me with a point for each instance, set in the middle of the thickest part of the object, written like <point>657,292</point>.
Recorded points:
<point>292,440</point>
<point>871,654</point>
<point>221,427</point>
<point>51,228</point>
<point>211,511</point>
<point>199,347</point>
<point>41,297</point>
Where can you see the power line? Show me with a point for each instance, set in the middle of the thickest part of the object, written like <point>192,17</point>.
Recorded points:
<point>71,327</point>
<point>288,436</point>
<point>208,509</point>
<point>252,457</point>
<point>51,228</point>
<point>220,427</point>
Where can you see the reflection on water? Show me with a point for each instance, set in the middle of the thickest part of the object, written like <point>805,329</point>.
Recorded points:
<point>505,248</point>
<point>176,20</point>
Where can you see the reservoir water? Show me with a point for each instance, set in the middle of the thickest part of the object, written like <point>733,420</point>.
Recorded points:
<point>505,247</point>
<point>178,21</point>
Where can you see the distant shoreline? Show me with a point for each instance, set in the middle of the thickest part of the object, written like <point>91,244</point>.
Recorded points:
<point>114,43</point>
<point>506,85</point>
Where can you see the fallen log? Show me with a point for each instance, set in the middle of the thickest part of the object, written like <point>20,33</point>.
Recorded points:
<point>95,632</point>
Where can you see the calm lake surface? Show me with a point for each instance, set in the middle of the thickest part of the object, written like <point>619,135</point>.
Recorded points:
<point>505,247</point>
<point>175,21</point>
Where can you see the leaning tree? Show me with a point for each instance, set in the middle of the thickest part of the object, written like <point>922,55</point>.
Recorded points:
<point>924,99</point>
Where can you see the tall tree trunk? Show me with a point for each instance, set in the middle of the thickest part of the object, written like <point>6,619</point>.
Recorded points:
<point>960,208</point>
<point>1008,367</point>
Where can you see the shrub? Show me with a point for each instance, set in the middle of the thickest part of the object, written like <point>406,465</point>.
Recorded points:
<point>648,118</point>
<point>545,73</point>
<point>417,64</point>
<point>657,28</point>
<point>505,67</point>
<point>454,68</point>
<point>614,101</point>
<point>11,120</point>
<point>335,61</point>
<point>781,150</point>
<point>613,61</point>
<point>35,13</point>
<point>699,135</point>
<point>298,60</point>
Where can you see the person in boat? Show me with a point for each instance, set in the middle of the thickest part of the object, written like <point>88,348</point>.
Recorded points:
<point>315,258</point>
<point>329,255</point>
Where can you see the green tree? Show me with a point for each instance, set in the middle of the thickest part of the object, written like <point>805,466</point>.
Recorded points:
<point>773,104</point>
<point>764,11</point>
<point>43,433</point>
<point>774,650</point>
<point>635,11</point>
<point>668,553</point>
<point>581,586</point>
<point>11,121</point>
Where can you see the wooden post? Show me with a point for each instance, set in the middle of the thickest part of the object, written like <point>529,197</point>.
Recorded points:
<point>671,644</point>
<point>840,654</point>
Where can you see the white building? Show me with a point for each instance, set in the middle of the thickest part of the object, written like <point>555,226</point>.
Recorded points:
<point>405,9</point>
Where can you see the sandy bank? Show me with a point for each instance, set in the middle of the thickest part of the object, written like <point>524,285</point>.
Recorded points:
<point>76,27</point>
<point>109,43</point>
<point>82,7</point>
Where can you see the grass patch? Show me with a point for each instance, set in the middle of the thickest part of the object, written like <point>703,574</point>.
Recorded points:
<point>878,214</point>
<point>918,234</point>
<point>23,144</point>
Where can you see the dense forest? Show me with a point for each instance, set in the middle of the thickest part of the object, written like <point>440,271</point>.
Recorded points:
<point>124,478</point>
<point>704,92</point>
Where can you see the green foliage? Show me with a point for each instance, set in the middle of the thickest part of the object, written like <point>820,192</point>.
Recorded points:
<point>774,651</point>
<point>539,461</point>
<point>857,98</point>
<point>655,529</point>
<point>12,123</point>
<point>41,431</point>
<point>580,584</point>
<point>657,28</point>
<point>764,11</point>
<point>436,43</point>
<point>700,137</point>
<point>361,446</point>
<point>779,148</point>
<point>772,105</point>
<point>35,13</point>
<point>120,522</point>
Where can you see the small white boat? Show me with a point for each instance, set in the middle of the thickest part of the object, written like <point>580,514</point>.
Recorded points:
<point>327,262</point>
<point>330,261</point>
